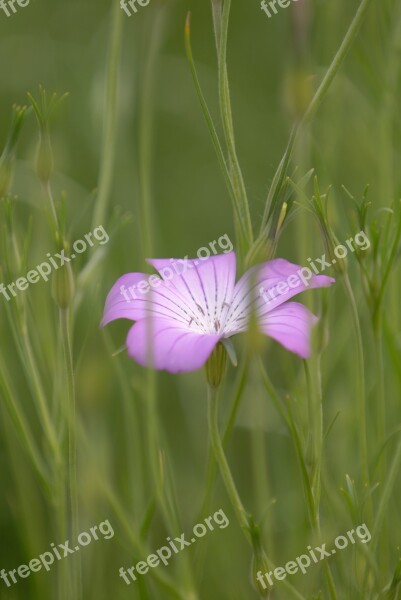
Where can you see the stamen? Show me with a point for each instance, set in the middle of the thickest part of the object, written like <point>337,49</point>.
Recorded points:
<point>200,309</point>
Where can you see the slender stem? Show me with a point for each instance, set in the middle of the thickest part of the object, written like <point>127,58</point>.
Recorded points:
<point>126,521</point>
<point>111,113</point>
<point>314,106</point>
<point>64,582</point>
<point>72,445</point>
<point>387,489</point>
<point>360,391</point>
<point>337,61</point>
<point>53,211</point>
<point>145,133</point>
<point>243,518</point>
<point>381,399</point>
<point>213,418</point>
<point>315,405</point>
<point>240,228</point>
<point>41,398</point>
<point>163,484</point>
<point>212,466</point>
<point>22,426</point>
<point>228,127</point>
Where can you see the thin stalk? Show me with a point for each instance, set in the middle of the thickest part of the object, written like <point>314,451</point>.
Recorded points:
<point>315,404</point>
<point>159,576</point>
<point>228,127</point>
<point>64,582</point>
<point>145,133</point>
<point>72,444</point>
<point>212,465</point>
<point>387,490</point>
<point>242,516</point>
<point>213,421</point>
<point>380,398</point>
<point>40,397</point>
<point>132,426</point>
<point>111,116</point>
<point>22,427</point>
<point>360,390</point>
<point>161,479</point>
<point>53,212</point>
<point>23,345</point>
<point>240,228</point>
<point>382,509</point>
<point>314,106</point>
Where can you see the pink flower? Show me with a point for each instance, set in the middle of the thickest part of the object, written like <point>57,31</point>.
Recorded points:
<point>180,318</point>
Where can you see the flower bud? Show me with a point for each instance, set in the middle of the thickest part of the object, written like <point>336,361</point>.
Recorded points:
<point>216,366</point>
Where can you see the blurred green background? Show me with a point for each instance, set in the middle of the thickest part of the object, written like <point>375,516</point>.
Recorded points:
<point>163,152</point>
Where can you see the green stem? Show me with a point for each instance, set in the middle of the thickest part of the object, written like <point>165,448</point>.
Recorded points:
<point>387,489</point>
<point>212,466</point>
<point>72,445</point>
<point>315,404</point>
<point>138,547</point>
<point>381,399</point>
<point>41,398</point>
<point>313,107</point>
<point>360,391</point>
<point>53,212</point>
<point>22,426</point>
<point>245,521</point>
<point>111,114</point>
<point>155,37</point>
<point>213,420</point>
<point>228,127</point>
<point>240,227</point>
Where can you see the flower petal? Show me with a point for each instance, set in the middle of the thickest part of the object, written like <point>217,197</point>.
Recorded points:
<point>137,295</point>
<point>290,325</point>
<point>206,285</point>
<point>264,287</point>
<point>172,347</point>
<point>119,306</point>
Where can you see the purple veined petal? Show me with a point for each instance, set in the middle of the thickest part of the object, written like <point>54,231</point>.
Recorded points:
<point>290,324</point>
<point>164,345</point>
<point>118,305</point>
<point>265,287</point>
<point>138,295</point>
<point>206,286</point>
